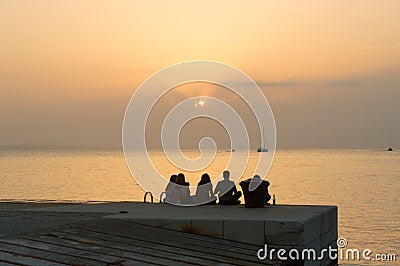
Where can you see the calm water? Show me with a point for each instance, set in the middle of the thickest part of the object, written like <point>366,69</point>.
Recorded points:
<point>364,184</point>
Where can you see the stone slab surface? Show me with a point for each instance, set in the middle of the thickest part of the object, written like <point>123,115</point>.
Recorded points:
<point>279,226</point>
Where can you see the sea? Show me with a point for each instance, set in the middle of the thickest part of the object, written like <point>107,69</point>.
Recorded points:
<point>364,184</point>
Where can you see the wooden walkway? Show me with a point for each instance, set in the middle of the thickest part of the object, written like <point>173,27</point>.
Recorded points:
<point>119,242</point>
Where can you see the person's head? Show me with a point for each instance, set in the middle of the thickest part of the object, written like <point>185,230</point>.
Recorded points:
<point>172,179</point>
<point>205,178</point>
<point>256,177</point>
<point>180,179</point>
<point>226,174</point>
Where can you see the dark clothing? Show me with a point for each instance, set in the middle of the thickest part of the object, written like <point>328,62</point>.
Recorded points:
<point>204,194</point>
<point>227,193</point>
<point>231,200</point>
<point>255,192</point>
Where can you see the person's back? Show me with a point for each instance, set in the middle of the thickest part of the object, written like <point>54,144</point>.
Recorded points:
<point>227,192</point>
<point>204,191</point>
<point>170,191</point>
<point>255,191</point>
<point>265,184</point>
<point>182,190</point>
<point>225,189</point>
<point>184,194</point>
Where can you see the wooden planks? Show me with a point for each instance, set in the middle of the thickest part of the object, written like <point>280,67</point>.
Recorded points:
<point>120,242</point>
<point>16,258</point>
<point>173,241</point>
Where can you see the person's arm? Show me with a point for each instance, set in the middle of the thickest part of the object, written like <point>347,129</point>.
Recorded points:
<point>210,190</point>
<point>217,189</point>
<point>234,188</point>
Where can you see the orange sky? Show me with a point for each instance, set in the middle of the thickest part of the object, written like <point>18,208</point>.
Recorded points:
<point>81,60</point>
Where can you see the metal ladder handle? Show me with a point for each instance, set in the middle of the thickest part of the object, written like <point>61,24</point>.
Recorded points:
<point>145,196</point>
<point>161,195</point>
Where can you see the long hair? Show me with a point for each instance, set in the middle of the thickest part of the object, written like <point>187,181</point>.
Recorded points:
<point>172,180</point>
<point>205,178</point>
<point>180,180</point>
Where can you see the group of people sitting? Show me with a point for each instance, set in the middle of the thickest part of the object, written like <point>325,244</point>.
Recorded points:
<point>177,191</point>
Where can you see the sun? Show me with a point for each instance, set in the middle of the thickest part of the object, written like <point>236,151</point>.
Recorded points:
<point>200,103</point>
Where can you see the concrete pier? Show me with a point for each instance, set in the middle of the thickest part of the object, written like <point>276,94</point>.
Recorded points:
<point>280,226</point>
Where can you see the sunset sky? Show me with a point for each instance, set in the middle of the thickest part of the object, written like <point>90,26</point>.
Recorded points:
<point>330,69</point>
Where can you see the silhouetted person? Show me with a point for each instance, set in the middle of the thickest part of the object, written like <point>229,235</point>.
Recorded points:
<point>226,191</point>
<point>268,196</point>
<point>255,192</point>
<point>204,191</point>
<point>170,190</point>
<point>183,191</point>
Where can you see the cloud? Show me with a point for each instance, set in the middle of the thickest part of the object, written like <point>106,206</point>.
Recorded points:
<point>269,84</point>
<point>286,83</point>
<point>343,83</point>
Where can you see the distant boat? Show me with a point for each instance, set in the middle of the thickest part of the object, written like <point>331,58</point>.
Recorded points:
<point>263,148</point>
<point>389,149</point>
